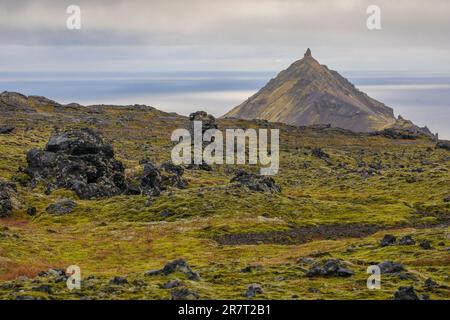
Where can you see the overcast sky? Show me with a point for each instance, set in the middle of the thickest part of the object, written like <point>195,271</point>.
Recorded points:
<point>235,35</point>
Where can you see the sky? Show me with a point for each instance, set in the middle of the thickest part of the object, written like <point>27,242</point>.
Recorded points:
<point>231,35</point>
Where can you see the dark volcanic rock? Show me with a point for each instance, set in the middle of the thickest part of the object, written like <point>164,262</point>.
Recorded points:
<point>406,293</point>
<point>407,241</point>
<point>155,179</point>
<point>430,284</point>
<point>31,211</point>
<point>43,288</point>
<point>443,144</point>
<point>171,175</point>
<point>255,182</point>
<point>388,240</point>
<point>425,244</point>
<point>6,129</point>
<point>331,268</point>
<point>208,121</point>
<point>174,266</point>
<point>61,207</point>
<point>183,294</point>
<point>319,153</point>
<point>6,191</point>
<point>151,180</point>
<point>78,160</point>
<point>172,284</point>
<point>390,267</point>
<point>253,290</point>
<point>119,281</point>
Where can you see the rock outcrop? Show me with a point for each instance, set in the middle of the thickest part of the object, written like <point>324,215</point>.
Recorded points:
<point>78,160</point>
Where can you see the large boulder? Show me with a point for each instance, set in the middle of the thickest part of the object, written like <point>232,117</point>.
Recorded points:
<point>79,160</point>
<point>155,179</point>
<point>208,121</point>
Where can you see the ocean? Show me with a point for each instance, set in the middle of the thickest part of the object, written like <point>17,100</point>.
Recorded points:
<point>422,98</point>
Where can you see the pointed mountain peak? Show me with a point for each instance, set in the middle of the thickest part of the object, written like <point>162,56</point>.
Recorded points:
<point>308,53</point>
<point>308,93</point>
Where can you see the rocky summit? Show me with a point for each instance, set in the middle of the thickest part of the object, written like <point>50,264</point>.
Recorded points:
<point>94,186</point>
<point>308,93</point>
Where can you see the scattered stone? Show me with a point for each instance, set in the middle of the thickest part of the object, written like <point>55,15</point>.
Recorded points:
<point>430,284</point>
<point>6,129</point>
<point>78,159</point>
<point>388,240</point>
<point>61,207</point>
<point>447,199</point>
<point>174,266</point>
<point>172,284</point>
<point>255,182</point>
<point>183,294</point>
<point>390,267</point>
<point>319,153</point>
<point>313,290</point>
<point>7,190</point>
<point>166,213</point>
<point>25,297</point>
<point>406,293</point>
<point>251,268</point>
<point>253,290</point>
<point>425,244</point>
<point>407,241</point>
<point>31,211</point>
<point>56,274</point>
<point>331,268</point>
<point>119,281</point>
<point>43,288</point>
<point>443,144</point>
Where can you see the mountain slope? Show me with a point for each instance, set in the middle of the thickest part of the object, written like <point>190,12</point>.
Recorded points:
<point>309,93</point>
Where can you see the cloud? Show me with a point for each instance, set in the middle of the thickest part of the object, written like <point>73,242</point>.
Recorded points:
<point>233,33</point>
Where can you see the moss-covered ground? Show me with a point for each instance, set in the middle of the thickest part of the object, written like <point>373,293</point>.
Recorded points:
<point>397,185</point>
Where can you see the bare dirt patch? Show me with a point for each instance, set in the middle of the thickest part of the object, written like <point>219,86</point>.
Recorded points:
<point>300,235</point>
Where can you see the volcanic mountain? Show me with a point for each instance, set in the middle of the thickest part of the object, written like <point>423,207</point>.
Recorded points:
<point>308,93</point>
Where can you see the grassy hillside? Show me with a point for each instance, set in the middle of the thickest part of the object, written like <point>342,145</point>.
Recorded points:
<point>335,209</point>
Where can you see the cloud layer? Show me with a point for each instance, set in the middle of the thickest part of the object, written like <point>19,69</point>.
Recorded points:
<point>223,35</point>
